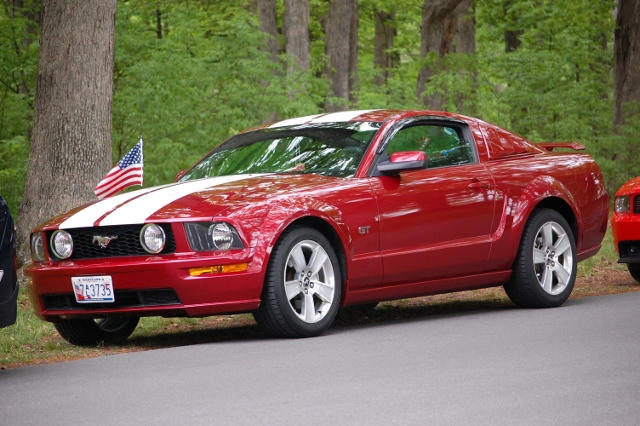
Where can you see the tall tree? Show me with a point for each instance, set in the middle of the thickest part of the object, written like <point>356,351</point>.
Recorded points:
<point>385,33</point>
<point>353,56</point>
<point>71,140</point>
<point>339,39</point>
<point>434,40</point>
<point>269,24</point>
<point>626,75</point>
<point>512,33</point>
<point>296,34</point>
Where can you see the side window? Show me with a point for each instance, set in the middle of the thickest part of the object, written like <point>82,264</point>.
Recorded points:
<point>443,145</point>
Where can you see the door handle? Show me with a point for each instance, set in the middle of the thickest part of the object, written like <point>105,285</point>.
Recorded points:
<point>479,184</point>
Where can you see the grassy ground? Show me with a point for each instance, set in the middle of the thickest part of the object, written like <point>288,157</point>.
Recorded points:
<point>32,341</point>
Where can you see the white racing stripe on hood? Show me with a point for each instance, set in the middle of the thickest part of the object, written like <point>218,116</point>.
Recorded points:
<point>139,209</point>
<point>85,218</point>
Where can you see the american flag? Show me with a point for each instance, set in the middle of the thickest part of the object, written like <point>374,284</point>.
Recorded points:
<point>126,173</point>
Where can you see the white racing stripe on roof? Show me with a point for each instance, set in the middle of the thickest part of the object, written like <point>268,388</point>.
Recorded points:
<point>139,209</point>
<point>85,218</point>
<point>294,121</point>
<point>340,117</point>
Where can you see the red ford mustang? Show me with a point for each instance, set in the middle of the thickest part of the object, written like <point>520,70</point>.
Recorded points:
<point>294,220</point>
<point>625,226</point>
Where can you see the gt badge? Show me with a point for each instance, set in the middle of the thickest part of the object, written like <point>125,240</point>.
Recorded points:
<point>364,230</point>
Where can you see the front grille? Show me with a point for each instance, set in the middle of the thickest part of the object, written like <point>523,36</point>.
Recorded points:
<point>126,244</point>
<point>636,204</point>
<point>123,299</point>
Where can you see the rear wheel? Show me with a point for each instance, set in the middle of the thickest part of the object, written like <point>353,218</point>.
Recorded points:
<point>302,289</point>
<point>91,332</point>
<point>544,272</point>
<point>634,270</point>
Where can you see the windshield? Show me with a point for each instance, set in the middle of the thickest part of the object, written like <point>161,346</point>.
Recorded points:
<point>334,149</point>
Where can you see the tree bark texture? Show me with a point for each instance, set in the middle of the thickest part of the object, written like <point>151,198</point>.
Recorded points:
<point>71,140</point>
<point>435,37</point>
<point>338,39</point>
<point>464,31</point>
<point>353,56</point>
<point>269,24</point>
<point>385,33</point>
<point>296,34</point>
<point>626,74</point>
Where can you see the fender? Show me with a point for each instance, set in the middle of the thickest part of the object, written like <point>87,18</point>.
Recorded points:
<point>517,209</point>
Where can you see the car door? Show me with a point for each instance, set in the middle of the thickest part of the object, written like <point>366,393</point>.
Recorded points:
<point>434,222</point>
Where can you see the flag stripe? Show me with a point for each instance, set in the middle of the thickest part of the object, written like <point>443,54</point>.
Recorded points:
<point>127,172</point>
<point>131,171</point>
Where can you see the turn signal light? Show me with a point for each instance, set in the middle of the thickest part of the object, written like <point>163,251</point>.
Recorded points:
<point>222,269</point>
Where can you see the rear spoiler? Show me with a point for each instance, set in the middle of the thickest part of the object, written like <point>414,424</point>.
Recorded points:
<point>550,146</point>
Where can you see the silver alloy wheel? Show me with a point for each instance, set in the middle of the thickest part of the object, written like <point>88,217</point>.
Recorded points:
<point>552,258</point>
<point>309,281</point>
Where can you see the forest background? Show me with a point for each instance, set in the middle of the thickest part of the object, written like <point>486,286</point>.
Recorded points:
<point>189,74</point>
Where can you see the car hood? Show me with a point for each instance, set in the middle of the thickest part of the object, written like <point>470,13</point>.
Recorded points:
<point>200,199</point>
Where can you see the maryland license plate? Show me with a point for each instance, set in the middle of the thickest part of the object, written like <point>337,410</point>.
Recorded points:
<point>93,289</point>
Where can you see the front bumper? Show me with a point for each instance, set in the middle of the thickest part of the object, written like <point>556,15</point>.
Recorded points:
<point>625,228</point>
<point>148,286</point>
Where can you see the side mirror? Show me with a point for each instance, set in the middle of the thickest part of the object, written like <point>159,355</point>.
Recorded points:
<point>179,175</point>
<point>404,160</point>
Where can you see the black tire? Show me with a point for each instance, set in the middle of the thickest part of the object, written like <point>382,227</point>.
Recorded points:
<point>546,280</point>
<point>89,332</point>
<point>291,262</point>
<point>634,270</point>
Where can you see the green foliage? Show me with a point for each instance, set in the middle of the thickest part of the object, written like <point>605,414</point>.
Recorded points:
<point>206,75</point>
<point>18,62</point>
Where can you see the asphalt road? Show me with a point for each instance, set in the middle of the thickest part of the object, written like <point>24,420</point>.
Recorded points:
<point>574,365</point>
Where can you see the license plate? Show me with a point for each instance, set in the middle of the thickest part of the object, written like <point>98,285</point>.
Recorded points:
<point>93,289</point>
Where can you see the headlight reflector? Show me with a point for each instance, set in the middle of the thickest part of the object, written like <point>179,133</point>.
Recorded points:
<point>211,236</point>
<point>623,204</point>
<point>152,238</point>
<point>61,244</point>
<point>37,247</point>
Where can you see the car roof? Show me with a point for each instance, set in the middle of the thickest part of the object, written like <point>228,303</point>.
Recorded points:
<point>369,115</point>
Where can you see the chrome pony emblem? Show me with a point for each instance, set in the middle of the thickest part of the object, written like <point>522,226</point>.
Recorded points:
<point>103,242</point>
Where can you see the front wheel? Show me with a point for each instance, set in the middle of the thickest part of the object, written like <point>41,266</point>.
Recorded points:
<point>303,285</point>
<point>634,270</point>
<point>544,271</point>
<point>90,332</point>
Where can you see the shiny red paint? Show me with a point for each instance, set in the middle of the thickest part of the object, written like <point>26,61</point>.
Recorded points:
<point>418,232</point>
<point>625,226</point>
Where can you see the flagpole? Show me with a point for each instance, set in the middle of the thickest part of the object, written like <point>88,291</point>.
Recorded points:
<point>141,157</point>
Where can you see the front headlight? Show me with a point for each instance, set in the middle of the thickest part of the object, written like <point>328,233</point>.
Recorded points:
<point>623,204</point>
<point>37,247</point>
<point>211,236</point>
<point>61,244</point>
<point>152,238</point>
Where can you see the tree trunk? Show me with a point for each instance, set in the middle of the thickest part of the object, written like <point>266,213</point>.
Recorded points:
<point>338,39</point>
<point>626,74</point>
<point>464,42</point>
<point>464,31</point>
<point>71,140</point>
<point>385,33</point>
<point>269,24</point>
<point>353,56</point>
<point>512,34</point>
<point>435,37</point>
<point>296,34</point>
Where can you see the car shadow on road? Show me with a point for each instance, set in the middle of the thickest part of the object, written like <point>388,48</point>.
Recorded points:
<point>355,316</point>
